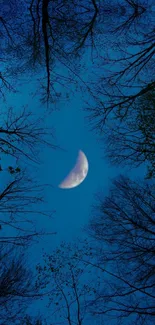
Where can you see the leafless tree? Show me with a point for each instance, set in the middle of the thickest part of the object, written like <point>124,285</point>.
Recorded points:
<point>57,34</point>
<point>128,69</point>
<point>21,198</point>
<point>125,15</point>
<point>17,285</point>
<point>21,201</point>
<point>123,225</point>
<point>45,35</point>
<point>22,135</point>
<point>71,281</point>
<point>10,29</point>
<point>132,142</point>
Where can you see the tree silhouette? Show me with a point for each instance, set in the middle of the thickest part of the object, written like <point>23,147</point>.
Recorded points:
<point>51,36</point>
<point>123,225</point>
<point>72,288</point>
<point>21,200</point>
<point>132,141</point>
<point>17,285</point>
<point>46,35</point>
<point>127,71</point>
<point>22,135</point>
<point>59,31</point>
<point>11,28</point>
<point>134,11</point>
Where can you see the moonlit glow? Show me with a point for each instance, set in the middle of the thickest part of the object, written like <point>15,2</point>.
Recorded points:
<point>77,174</point>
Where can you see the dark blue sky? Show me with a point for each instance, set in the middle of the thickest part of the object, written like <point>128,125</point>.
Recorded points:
<point>72,206</point>
<point>67,119</point>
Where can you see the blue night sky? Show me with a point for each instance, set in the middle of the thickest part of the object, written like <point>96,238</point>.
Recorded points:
<point>72,207</point>
<point>68,120</point>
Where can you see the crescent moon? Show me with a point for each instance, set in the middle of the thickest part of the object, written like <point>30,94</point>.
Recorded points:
<point>77,174</point>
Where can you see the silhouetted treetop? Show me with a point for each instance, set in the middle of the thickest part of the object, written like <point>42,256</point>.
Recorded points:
<point>123,224</point>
